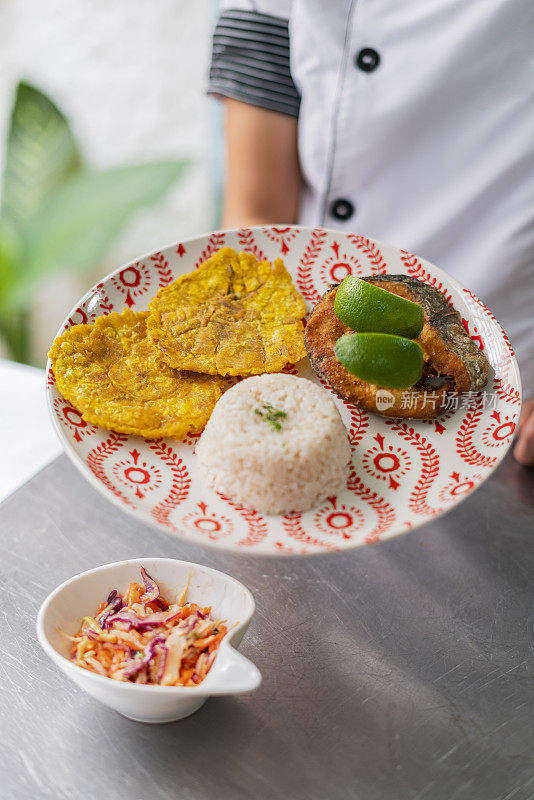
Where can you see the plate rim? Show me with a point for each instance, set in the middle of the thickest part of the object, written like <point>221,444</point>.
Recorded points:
<point>145,518</point>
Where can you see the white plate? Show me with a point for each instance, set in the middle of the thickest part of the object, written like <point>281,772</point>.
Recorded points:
<point>403,474</point>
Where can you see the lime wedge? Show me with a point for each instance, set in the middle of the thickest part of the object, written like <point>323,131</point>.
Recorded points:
<point>392,362</point>
<point>363,306</point>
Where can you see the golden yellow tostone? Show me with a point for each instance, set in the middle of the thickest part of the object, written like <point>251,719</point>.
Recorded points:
<point>234,315</point>
<point>113,374</point>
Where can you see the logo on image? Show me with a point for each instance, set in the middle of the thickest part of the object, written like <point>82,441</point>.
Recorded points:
<point>384,400</point>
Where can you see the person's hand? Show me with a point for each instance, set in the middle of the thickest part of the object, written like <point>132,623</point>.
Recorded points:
<point>524,447</point>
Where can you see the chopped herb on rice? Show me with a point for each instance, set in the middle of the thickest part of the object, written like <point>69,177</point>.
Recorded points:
<point>270,414</point>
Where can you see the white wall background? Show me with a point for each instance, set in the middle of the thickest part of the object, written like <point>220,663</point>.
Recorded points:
<point>131,76</point>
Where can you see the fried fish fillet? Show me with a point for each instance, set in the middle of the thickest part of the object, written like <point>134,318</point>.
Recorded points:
<point>453,362</point>
<point>113,374</point>
<point>234,315</point>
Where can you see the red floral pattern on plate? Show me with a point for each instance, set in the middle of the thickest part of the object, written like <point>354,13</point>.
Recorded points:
<point>338,267</point>
<point>458,486</point>
<point>282,236</point>
<point>205,522</point>
<point>132,282</point>
<point>72,419</point>
<point>386,462</point>
<point>500,432</point>
<point>137,474</point>
<point>338,519</point>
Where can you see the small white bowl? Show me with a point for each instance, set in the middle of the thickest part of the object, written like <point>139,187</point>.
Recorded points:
<point>231,673</point>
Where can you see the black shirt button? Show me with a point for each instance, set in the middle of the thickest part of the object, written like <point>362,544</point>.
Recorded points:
<point>342,209</point>
<point>367,59</point>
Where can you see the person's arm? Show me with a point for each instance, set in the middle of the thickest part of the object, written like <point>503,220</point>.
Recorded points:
<point>262,171</point>
<point>250,72</point>
<point>524,448</point>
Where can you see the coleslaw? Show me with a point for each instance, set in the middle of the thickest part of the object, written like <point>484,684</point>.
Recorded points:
<point>142,638</point>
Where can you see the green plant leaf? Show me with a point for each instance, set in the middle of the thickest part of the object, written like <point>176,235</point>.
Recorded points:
<point>82,218</point>
<point>13,322</point>
<point>14,330</point>
<point>41,153</point>
<point>10,248</point>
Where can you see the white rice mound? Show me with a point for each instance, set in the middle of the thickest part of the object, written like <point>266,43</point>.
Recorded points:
<point>272,471</point>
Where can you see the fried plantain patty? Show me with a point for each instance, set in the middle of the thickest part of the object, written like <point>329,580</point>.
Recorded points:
<point>113,374</point>
<point>234,315</point>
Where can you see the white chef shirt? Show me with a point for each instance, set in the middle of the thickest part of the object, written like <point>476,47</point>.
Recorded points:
<point>416,127</point>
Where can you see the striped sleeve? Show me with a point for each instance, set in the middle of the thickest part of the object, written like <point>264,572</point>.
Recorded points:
<point>250,61</point>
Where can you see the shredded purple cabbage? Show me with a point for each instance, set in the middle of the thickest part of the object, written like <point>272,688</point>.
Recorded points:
<point>151,587</point>
<point>139,623</point>
<point>135,665</point>
<point>114,603</point>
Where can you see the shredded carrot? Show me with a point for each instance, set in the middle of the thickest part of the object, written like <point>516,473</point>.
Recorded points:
<point>187,610</point>
<point>134,593</point>
<point>104,657</point>
<point>200,644</point>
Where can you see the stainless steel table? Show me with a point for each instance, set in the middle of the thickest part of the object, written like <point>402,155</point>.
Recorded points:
<point>396,671</point>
